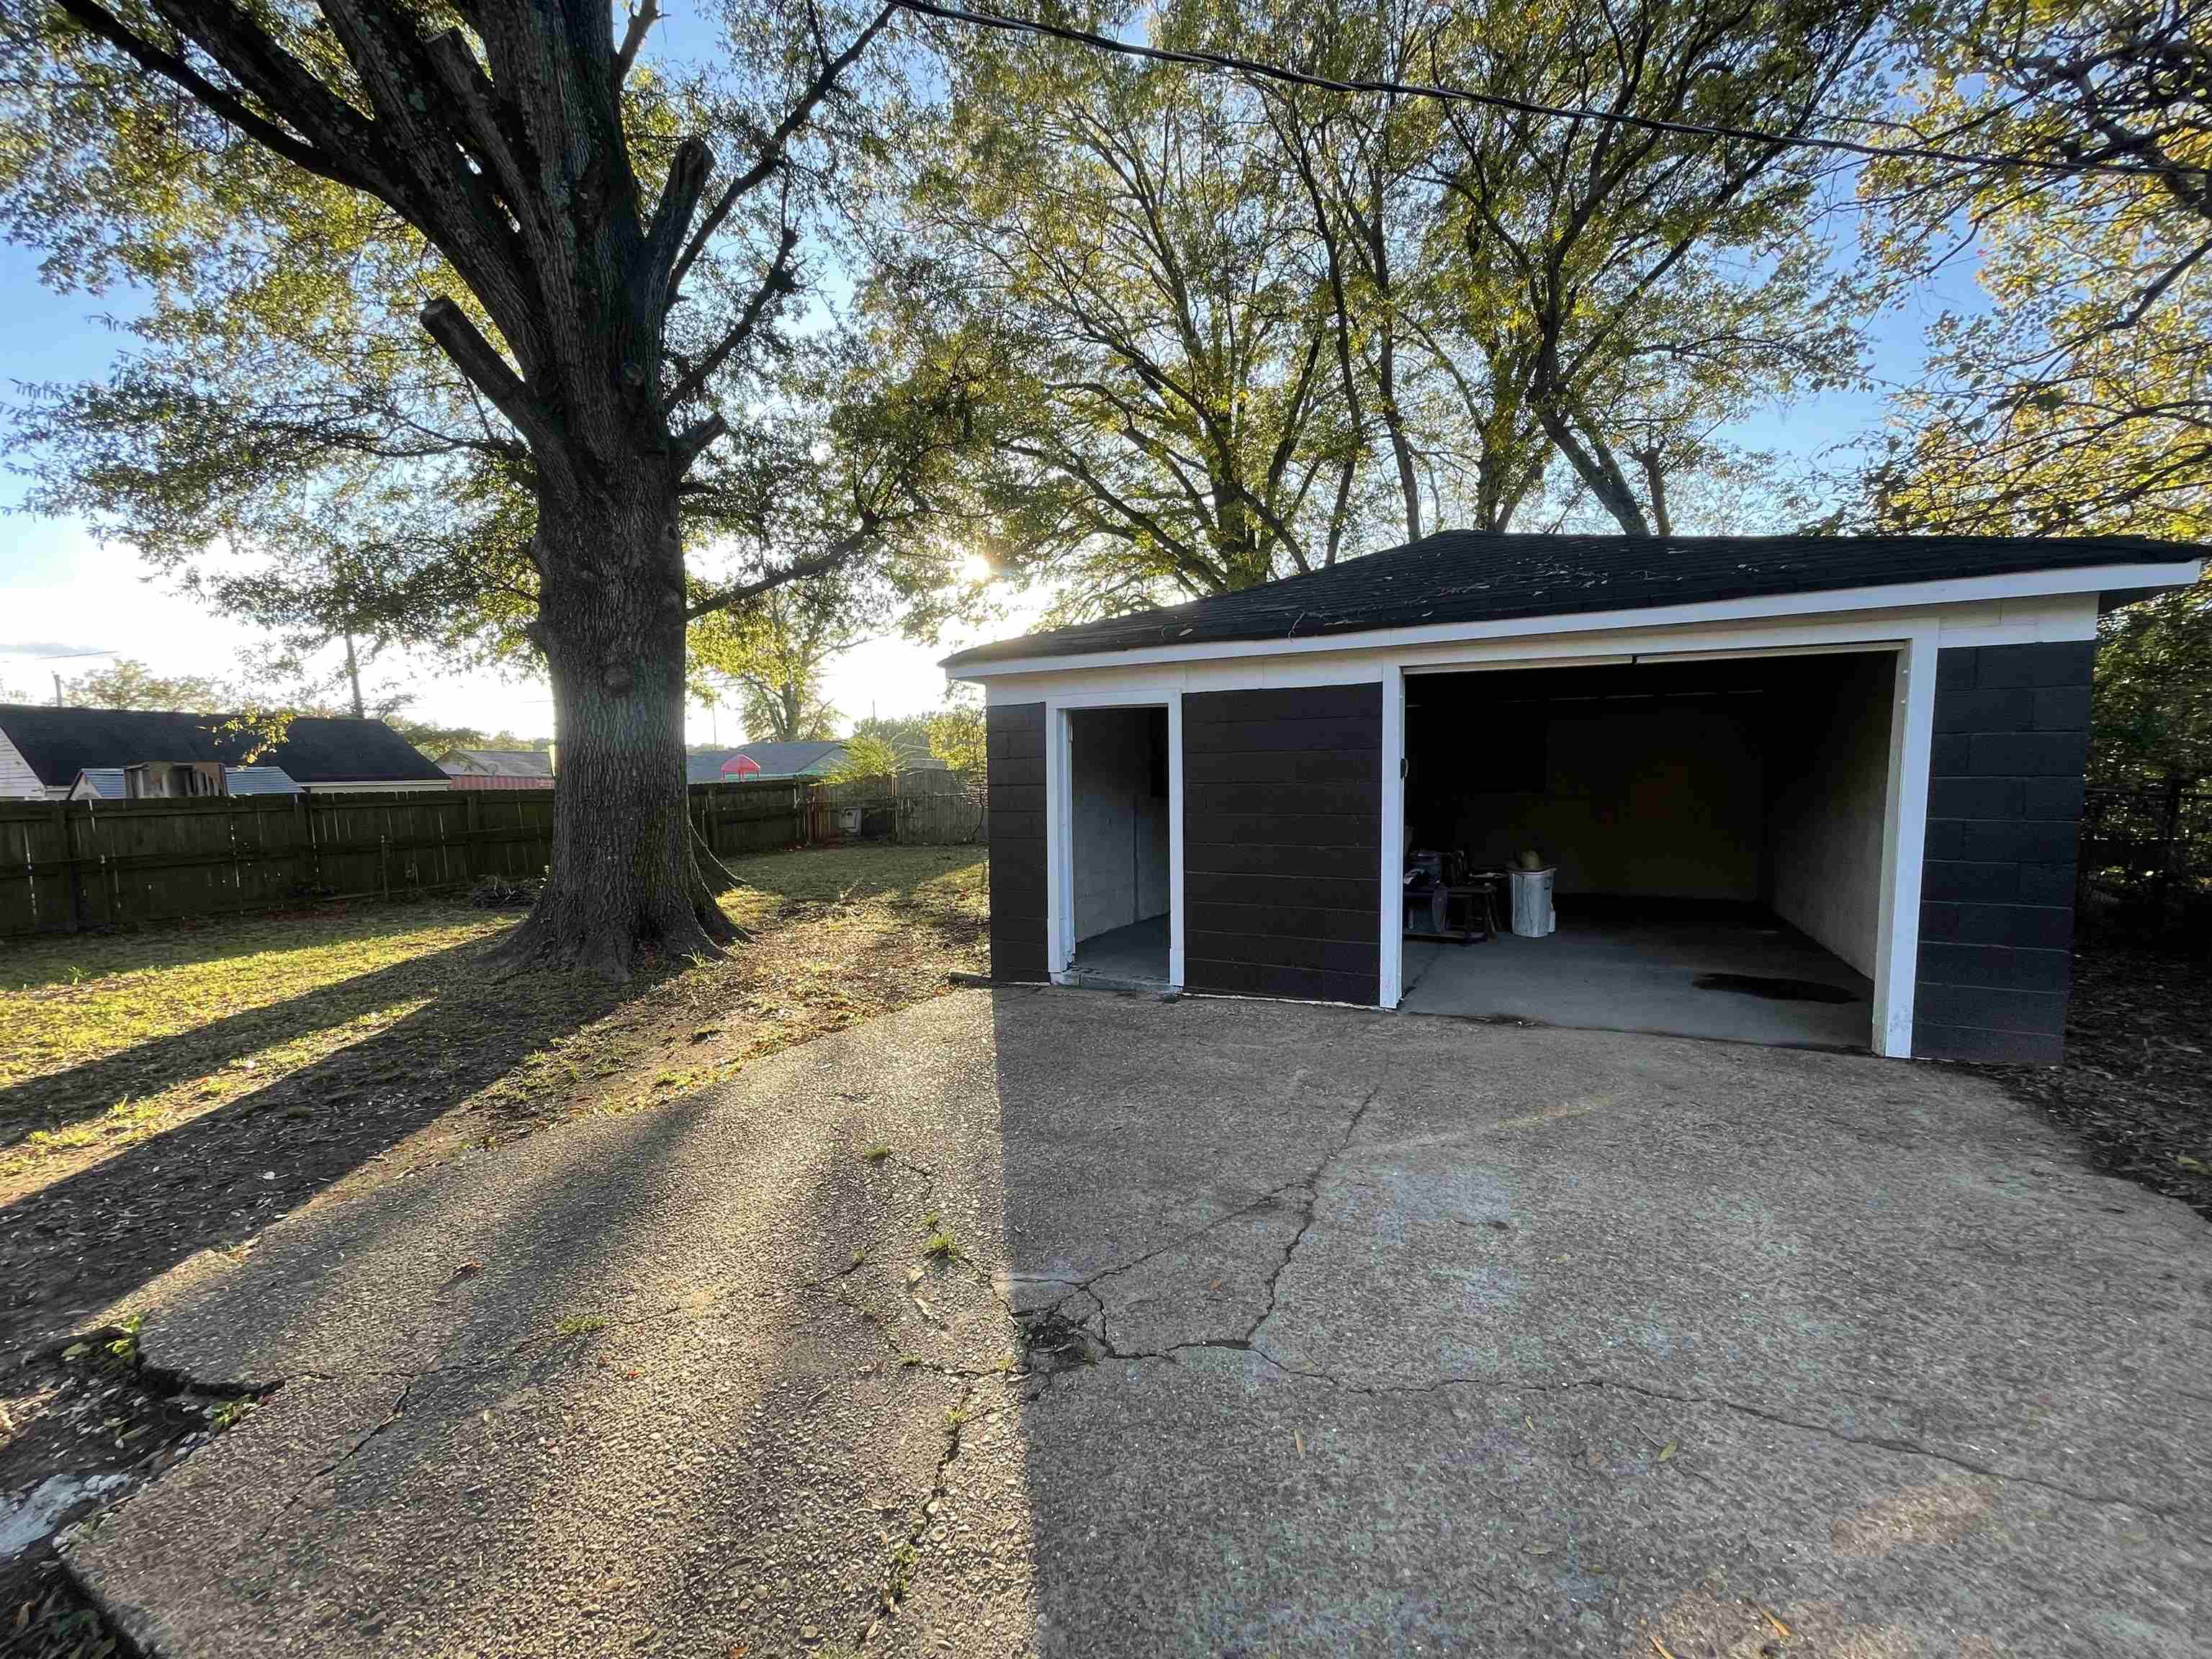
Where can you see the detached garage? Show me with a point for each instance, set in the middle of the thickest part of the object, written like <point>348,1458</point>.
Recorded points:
<point>1786,789</point>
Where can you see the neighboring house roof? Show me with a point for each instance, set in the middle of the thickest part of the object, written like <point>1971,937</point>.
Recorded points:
<point>260,780</point>
<point>100,783</point>
<point>705,765</point>
<point>1470,576</point>
<point>497,762</point>
<point>60,742</point>
<point>789,760</point>
<point>773,759</point>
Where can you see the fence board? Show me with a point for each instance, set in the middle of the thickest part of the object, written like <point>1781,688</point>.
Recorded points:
<point>2145,841</point>
<point>66,865</point>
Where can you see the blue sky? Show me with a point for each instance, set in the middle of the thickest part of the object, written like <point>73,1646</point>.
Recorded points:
<point>60,589</point>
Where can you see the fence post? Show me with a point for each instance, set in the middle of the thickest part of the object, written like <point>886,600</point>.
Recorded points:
<point>230,834</point>
<point>72,893</point>
<point>306,805</point>
<point>2169,845</point>
<point>2088,845</point>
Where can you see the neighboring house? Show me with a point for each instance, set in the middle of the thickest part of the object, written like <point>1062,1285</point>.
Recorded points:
<point>129,753</point>
<point>1794,789</point>
<point>498,769</point>
<point>763,760</point>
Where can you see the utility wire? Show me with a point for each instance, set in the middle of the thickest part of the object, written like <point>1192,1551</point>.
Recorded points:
<point>1230,63</point>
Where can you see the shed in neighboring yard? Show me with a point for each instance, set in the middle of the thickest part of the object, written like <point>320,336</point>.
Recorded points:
<point>498,769</point>
<point>764,760</point>
<point>1792,789</point>
<point>114,783</point>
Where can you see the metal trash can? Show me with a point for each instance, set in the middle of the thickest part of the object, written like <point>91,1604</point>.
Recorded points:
<point>1532,903</point>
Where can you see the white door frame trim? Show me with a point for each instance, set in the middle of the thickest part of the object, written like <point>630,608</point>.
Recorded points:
<point>1904,843</point>
<point>1060,823</point>
<point>1393,964</point>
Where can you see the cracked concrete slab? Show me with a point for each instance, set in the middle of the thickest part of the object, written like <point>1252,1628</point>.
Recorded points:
<point>1264,1330</point>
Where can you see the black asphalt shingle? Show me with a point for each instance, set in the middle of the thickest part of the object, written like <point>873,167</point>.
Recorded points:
<point>1465,576</point>
<point>59,743</point>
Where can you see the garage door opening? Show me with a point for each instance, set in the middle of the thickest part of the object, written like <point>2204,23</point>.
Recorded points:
<point>1716,829</point>
<point>1118,822</point>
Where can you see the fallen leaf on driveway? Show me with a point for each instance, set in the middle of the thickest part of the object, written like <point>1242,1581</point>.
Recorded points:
<point>1666,1451</point>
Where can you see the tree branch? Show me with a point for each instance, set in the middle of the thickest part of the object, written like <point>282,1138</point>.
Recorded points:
<point>841,551</point>
<point>646,16</point>
<point>489,373</point>
<point>771,156</point>
<point>99,22</point>
<point>775,283</point>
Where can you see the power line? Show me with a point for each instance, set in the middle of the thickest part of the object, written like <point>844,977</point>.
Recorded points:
<point>1266,71</point>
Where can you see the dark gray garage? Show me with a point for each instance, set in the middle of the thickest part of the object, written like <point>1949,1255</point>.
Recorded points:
<point>1785,790</point>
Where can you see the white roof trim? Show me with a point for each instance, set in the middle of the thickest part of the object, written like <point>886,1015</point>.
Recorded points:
<point>2032,584</point>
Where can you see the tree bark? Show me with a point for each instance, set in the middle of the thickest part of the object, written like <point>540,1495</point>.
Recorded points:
<point>627,872</point>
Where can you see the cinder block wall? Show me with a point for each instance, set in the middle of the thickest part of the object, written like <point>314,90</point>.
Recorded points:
<point>1282,815</point>
<point>1014,740</point>
<point>2004,810</point>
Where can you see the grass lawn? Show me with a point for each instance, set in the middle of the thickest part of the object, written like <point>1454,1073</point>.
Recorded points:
<point>178,1087</point>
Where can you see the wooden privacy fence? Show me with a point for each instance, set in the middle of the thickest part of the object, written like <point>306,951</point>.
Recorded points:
<point>2147,842</point>
<point>933,807</point>
<point>69,865</point>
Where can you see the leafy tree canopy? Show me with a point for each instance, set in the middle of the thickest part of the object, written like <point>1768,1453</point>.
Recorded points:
<point>956,736</point>
<point>127,683</point>
<point>2078,396</point>
<point>2152,710</point>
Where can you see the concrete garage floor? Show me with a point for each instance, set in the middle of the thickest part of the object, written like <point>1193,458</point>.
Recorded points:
<point>1134,955</point>
<point>1269,1330</point>
<point>1640,974</point>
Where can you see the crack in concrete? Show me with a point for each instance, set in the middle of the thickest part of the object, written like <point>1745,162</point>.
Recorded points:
<point>1891,1444</point>
<point>1313,1184</point>
<point>906,1559</point>
<point>392,1414</point>
<point>1309,1185</point>
<point>2170,1513</point>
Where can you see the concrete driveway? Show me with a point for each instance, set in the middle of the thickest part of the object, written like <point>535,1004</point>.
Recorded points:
<point>1340,1334</point>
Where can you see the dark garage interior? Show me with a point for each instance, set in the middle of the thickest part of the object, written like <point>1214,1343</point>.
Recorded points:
<point>1716,829</point>
<point>1118,791</point>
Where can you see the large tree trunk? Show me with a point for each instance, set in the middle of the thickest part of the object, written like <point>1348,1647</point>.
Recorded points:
<point>625,873</point>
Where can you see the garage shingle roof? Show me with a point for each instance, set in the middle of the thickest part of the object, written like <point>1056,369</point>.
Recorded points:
<point>1465,576</point>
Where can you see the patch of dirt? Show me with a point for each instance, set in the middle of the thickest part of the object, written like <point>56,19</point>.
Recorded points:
<point>2136,1085</point>
<point>80,1425</point>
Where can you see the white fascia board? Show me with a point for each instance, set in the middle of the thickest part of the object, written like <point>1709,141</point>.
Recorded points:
<point>2091,578</point>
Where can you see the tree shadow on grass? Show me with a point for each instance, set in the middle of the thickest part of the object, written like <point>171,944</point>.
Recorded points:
<point>221,1177</point>
<point>35,961</point>
<point>57,1098</point>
